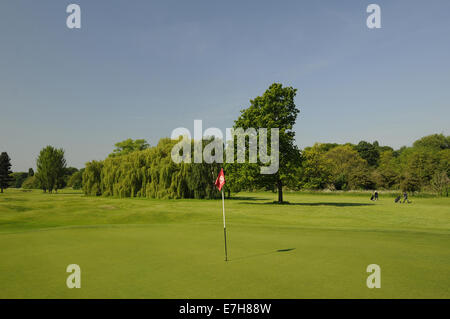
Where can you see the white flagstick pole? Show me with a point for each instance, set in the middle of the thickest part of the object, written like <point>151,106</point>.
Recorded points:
<point>224,226</point>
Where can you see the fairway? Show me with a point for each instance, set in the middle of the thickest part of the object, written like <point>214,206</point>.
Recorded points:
<point>318,246</point>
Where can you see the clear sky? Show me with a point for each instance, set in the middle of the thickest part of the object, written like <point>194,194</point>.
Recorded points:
<point>139,69</point>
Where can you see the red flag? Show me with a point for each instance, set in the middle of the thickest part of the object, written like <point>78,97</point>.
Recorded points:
<point>220,181</point>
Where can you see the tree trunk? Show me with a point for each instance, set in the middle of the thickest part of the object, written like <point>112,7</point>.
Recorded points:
<point>280,191</point>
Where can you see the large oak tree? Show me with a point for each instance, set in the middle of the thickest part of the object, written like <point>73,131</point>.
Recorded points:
<point>274,109</point>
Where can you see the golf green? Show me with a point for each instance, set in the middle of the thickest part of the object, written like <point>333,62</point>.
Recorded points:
<point>317,246</point>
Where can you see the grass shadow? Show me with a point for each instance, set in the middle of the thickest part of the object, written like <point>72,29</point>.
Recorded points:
<point>65,193</point>
<point>284,250</point>
<point>246,198</point>
<point>335,204</point>
<point>263,254</point>
<point>13,199</point>
<point>17,208</point>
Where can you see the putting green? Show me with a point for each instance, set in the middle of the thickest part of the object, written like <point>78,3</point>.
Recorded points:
<point>317,247</point>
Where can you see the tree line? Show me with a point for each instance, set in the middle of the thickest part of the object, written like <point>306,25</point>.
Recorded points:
<point>363,166</point>
<point>134,169</point>
<point>151,172</point>
<point>52,173</point>
<point>422,167</point>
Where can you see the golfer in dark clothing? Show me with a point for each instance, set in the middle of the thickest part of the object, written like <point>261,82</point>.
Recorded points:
<point>405,197</point>
<point>376,195</point>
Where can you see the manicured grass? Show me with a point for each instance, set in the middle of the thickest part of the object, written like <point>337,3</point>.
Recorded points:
<point>317,247</point>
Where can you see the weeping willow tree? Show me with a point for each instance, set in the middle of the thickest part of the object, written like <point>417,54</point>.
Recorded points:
<point>150,173</point>
<point>91,178</point>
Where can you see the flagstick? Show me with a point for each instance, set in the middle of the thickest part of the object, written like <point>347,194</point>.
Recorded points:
<point>224,226</point>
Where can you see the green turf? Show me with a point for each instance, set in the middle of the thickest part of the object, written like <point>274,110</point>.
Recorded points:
<point>317,247</point>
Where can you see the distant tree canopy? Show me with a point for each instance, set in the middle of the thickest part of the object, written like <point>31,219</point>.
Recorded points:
<point>315,170</point>
<point>72,178</point>
<point>51,169</point>
<point>26,180</point>
<point>436,142</point>
<point>151,172</point>
<point>31,183</point>
<point>76,179</point>
<point>424,166</point>
<point>18,179</point>
<point>5,171</point>
<point>68,173</point>
<point>440,183</point>
<point>369,152</point>
<point>128,146</point>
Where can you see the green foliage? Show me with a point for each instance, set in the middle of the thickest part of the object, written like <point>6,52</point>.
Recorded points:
<point>434,142</point>
<point>32,182</point>
<point>76,179</point>
<point>51,167</point>
<point>440,183</point>
<point>91,178</point>
<point>5,171</point>
<point>30,172</point>
<point>274,109</point>
<point>410,183</point>
<point>409,168</point>
<point>324,147</point>
<point>348,169</point>
<point>18,179</point>
<point>338,167</point>
<point>129,146</point>
<point>315,171</point>
<point>388,173</point>
<point>418,167</point>
<point>150,173</point>
<point>369,152</point>
<point>68,172</point>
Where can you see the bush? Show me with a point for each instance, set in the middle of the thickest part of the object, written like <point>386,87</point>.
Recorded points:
<point>76,180</point>
<point>19,178</point>
<point>31,183</point>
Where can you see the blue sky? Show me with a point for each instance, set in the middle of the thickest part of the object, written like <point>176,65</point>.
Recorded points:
<point>140,69</point>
